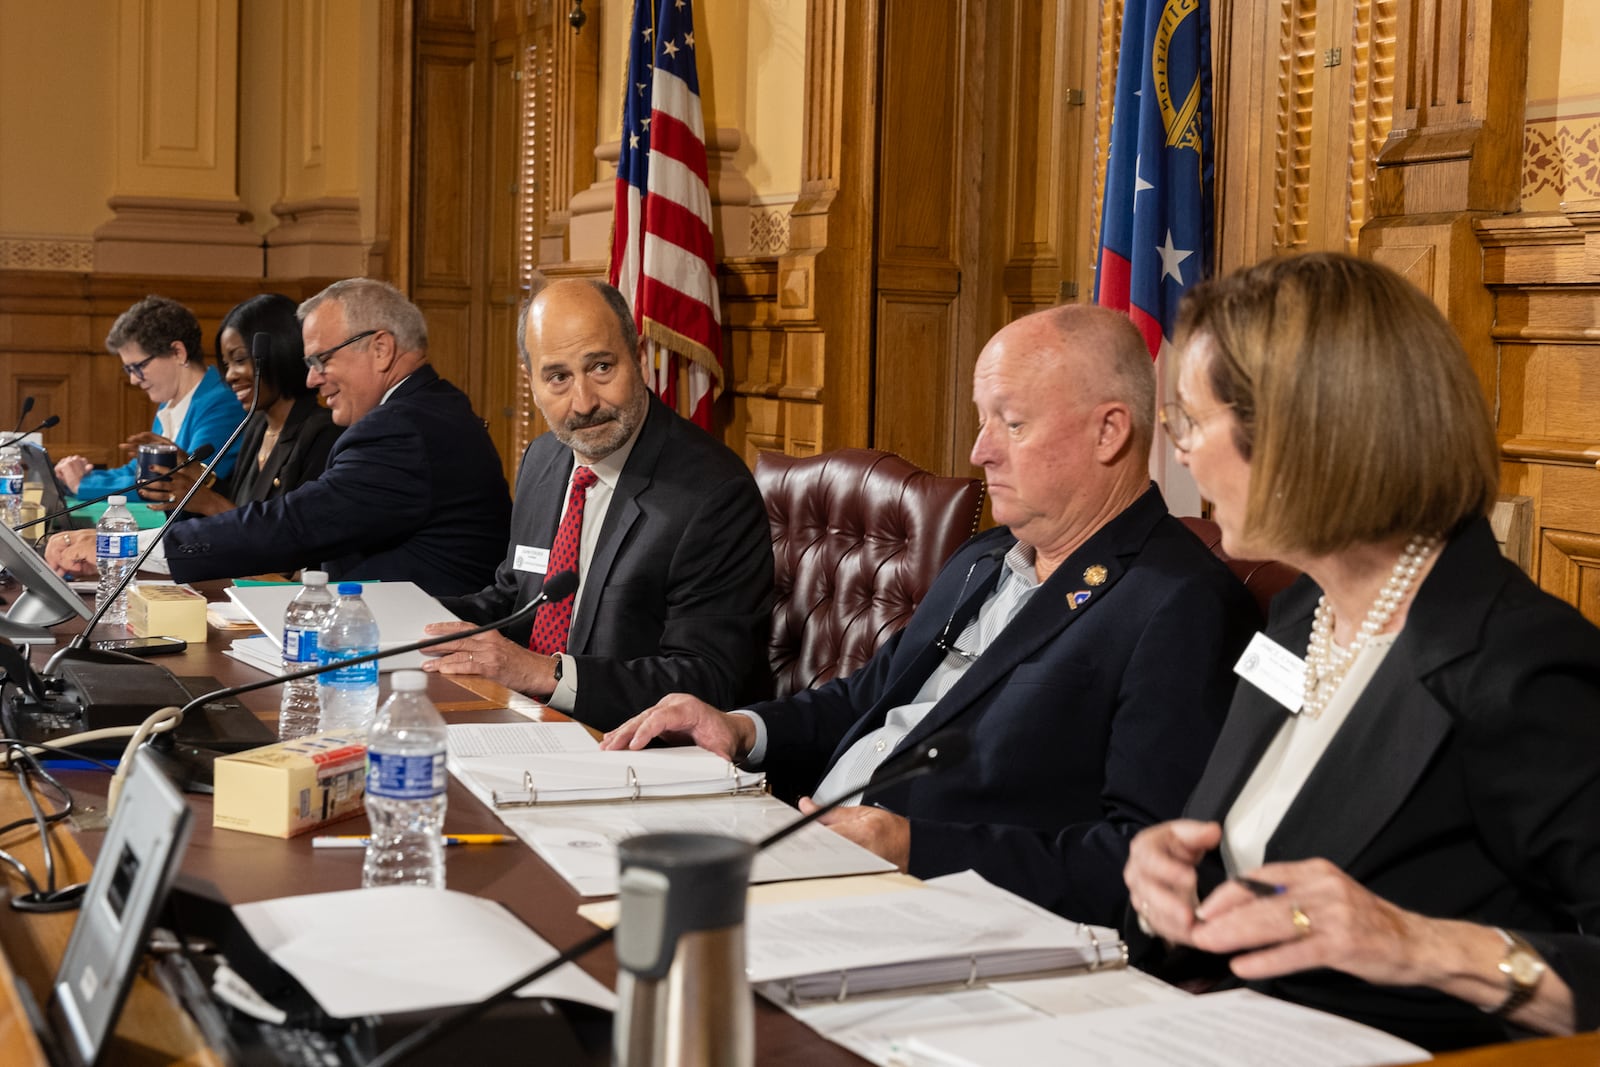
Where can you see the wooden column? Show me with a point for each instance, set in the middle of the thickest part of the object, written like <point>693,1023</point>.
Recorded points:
<point>1452,156</point>
<point>319,232</point>
<point>176,200</point>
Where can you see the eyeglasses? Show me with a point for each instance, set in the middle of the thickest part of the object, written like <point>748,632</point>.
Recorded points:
<point>1182,426</point>
<point>318,361</point>
<point>136,370</point>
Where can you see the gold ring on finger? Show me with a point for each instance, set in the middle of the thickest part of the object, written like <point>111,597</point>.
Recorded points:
<point>1302,921</point>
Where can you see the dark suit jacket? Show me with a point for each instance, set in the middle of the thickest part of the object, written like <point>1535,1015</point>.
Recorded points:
<point>1465,783</point>
<point>412,492</point>
<point>1087,724</point>
<point>299,455</point>
<point>679,593</point>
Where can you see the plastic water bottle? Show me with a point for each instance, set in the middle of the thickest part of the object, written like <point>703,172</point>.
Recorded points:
<point>11,486</point>
<point>116,544</point>
<point>406,788</point>
<point>348,695</point>
<point>301,712</point>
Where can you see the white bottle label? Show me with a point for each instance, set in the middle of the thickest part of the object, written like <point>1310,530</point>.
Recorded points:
<point>300,646</point>
<point>116,546</point>
<point>398,777</point>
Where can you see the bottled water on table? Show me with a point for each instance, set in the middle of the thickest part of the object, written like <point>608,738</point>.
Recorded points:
<point>348,695</point>
<point>406,788</point>
<point>11,486</point>
<point>300,713</point>
<point>116,544</point>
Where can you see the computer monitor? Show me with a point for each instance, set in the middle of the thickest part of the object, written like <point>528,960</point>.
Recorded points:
<point>140,856</point>
<point>38,470</point>
<point>47,600</point>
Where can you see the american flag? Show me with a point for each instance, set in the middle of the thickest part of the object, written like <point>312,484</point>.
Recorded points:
<point>662,258</point>
<point>1156,226</point>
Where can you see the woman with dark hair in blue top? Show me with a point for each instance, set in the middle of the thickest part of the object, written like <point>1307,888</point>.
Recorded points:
<point>289,436</point>
<point>158,341</point>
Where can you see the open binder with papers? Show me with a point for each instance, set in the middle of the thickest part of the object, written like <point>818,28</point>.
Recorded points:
<point>512,765</point>
<point>958,930</point>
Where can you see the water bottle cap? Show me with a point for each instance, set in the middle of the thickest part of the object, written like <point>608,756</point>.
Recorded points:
<point>314,578</point>
<point>408,681</point>
<point>115,500</point>
<point>349,588</point>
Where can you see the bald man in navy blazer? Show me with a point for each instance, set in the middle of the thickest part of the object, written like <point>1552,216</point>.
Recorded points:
<point>1085,649</point>
<point>675,569</point>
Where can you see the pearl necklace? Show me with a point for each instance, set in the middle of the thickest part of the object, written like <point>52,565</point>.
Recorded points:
<point>1326,662</point>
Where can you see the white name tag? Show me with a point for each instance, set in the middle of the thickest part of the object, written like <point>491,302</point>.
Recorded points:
<point>1274,670</point>
<point>532,559</point>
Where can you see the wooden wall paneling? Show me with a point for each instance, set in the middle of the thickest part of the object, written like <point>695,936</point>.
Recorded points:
<point>1571,569</point>
<point>389,257</point>
<point>825,280</point>
<point>756,364</point>
<point>1250,53</point>
<point>499,365</point>
<point>929,154</point>
<point>450,167</point>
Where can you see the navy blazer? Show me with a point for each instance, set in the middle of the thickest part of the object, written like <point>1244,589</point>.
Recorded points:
<point>412,492</point>
<point>298,455</point>
<point>1465,783</point>
<point>678,596</point>
<point>1087,723</point>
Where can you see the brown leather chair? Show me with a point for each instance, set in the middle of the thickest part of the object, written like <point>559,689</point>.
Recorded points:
<point>858,536</point>
<point>1265,578</point>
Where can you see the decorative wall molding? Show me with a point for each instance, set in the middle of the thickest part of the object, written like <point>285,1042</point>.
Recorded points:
<point>1560,161</point>
<point>176,235</point>
<point>46,253</point>
<point>318,238</point>
<point>769,228</point>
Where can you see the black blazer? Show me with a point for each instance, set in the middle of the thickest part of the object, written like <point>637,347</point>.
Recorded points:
<point>679,593</point>
<point>412,492</point>
<point>1087,724</point>
<point>299,455</point>
<point>1465,783</point>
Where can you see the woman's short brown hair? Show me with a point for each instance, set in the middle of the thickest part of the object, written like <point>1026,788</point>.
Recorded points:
<point>1357,408</point>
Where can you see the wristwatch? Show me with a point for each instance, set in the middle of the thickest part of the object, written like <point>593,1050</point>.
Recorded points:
<point>1523,967</point>
<point>556,662</point>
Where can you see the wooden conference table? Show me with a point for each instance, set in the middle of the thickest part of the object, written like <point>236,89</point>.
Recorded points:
<point>247,867</point>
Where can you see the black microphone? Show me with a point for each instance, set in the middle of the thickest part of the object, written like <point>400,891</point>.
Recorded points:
<point>82,638</point>
<point>201,454</point>
<point>27,406</point>
<point>556,587</point>
<point>943,750</point>
<point>45,425</point>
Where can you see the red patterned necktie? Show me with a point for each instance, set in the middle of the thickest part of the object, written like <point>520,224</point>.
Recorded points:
<point>554,620</point>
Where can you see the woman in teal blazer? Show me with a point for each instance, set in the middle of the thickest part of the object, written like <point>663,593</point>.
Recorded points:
<point>158,341</point>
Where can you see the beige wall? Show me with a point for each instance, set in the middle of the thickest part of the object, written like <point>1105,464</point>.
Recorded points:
<point>57,128</point>
<point>304,124</point>
<point>750,62</point>
<point>1561,136</point>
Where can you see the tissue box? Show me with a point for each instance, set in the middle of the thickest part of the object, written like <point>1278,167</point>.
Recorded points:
<point>292,787</point>
<point>167,611</point>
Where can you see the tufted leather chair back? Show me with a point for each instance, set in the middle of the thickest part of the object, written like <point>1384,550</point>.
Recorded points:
<point>858,536</point>
<point>1265,578</point>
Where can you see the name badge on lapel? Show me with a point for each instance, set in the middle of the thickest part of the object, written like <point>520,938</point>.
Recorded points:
<point>528,558</point>
<point>1274,670</point>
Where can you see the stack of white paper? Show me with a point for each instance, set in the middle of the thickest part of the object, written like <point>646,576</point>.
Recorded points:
<point>401,608</point>
<point>958,929</point>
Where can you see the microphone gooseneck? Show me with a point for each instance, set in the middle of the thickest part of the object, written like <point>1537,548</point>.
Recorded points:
<point>557,586</point>
<point>82,638</point>
<point>939,752</point>
<point>16,436</point>
<point>201,454</point>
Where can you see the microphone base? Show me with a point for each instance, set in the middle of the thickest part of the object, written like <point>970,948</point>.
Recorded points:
<point>90,695</point>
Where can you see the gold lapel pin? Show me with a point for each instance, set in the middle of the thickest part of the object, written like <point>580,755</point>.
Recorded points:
<point>1095,574</point>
